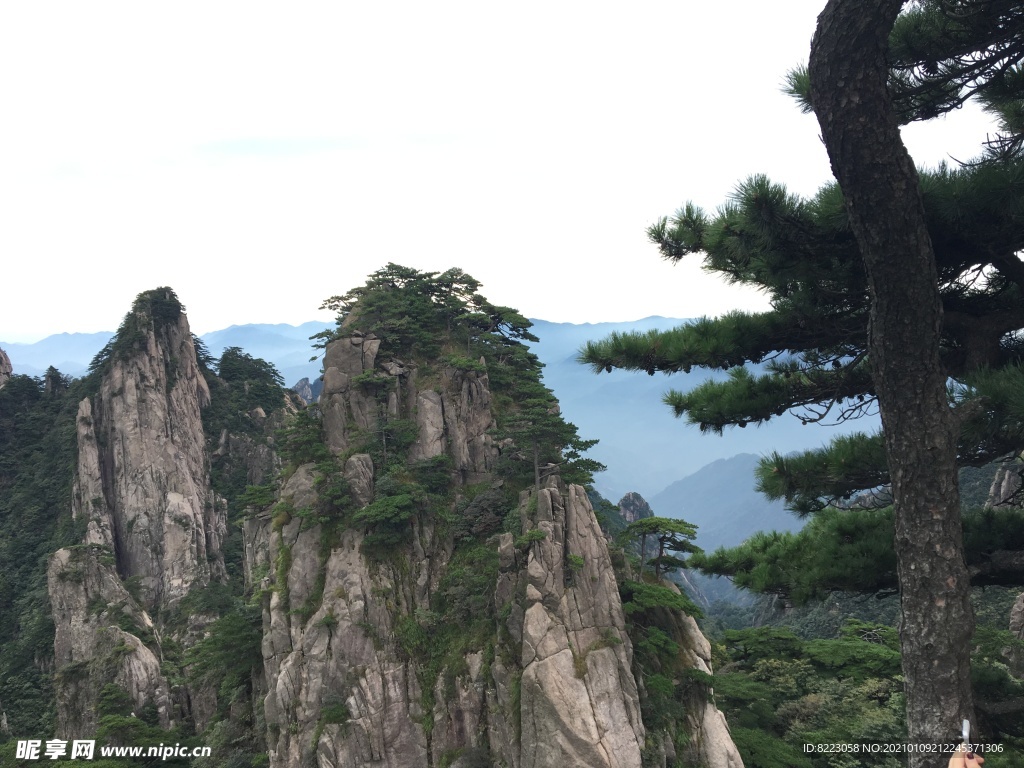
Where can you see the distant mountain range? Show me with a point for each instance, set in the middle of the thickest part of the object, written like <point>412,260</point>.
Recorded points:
<point>644,447</point>
<point>721,501</point>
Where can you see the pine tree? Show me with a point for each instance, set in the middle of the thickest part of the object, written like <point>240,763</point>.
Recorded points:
<point>883,291</point>
<point>671,535</point>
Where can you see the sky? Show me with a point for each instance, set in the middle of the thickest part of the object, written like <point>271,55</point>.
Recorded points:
<point>261,157</point>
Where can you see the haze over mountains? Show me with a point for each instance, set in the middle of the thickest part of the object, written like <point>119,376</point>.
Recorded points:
<point>680,471</point>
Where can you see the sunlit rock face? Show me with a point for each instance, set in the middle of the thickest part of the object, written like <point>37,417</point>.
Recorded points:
<point>152,530</point>
<point>633,507</point>
<point>143,479</point>
<point>6,370</point>
<point>361,664</point>
<point>552,684</point>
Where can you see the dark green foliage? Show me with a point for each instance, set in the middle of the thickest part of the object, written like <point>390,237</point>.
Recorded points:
<point>333,491</point>
<point>257,496</point>
<point>761,749</point>
<point>975,483</point>
<point>413,639</point>
<point>941,55</point>
<point>481,515</point>
<point>852,551</point>
<point>214,599</point>
<point>639,597</point>
<point>810,349</point>
<point>230,654</point>
<point>302,441</point>
<point>837,550</point>
<point>608,516</point>
<point>396,438</point>
<point>466,591</point>
<point>442,318</point>
<point>531,536</point>
<point>812,480</point>
<point>153,311</point>
<point>242,384</point>
<point>782,692</point>
<point>854,658</point>
<point>114,700</point>
<point>668,535</point>
<point>816,677</point>
<point>461,620</point>
<point>37,459</point>
<point>662,666</point>
<point>335,713</point>
<point>542,438</point>
<point>387,521</point>
<point>121,723</point>
<point>256,383</point>
<point>997,663</point>
<point>416,312</point>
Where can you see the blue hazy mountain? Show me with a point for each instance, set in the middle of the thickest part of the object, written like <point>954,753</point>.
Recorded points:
<point>286,346</point>
<point>720,499</point>
<point>69,353</point>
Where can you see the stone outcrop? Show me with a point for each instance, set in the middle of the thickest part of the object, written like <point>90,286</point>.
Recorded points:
<point>365,661</point>
<point>346,405</point>
<point>90,604</point>
<point>580,703</point>
<point>710,744</point>
<point>633,507</point>
<point>142,488</point>
<point>142,482</point>
<point>1005,486</point>
<point>347,684</point>
<point>452,415</point>
<point>6,370</point>
<point>304,390</point>
<point>565,695</point>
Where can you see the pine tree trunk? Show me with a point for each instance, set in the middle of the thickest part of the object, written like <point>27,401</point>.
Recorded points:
<point>880,186</point>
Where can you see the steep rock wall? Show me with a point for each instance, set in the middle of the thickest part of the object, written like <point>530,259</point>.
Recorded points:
<point>6,370</point>
<point>90,604</point>
<point>142,487</point>
<point>554,683</point>
<point>143,477</point>
<point>579,701</point>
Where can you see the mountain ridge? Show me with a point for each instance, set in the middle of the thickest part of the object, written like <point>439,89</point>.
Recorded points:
<point>421,583</point>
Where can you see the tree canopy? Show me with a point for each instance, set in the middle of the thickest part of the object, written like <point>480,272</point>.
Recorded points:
<point>808,355</point>
<point>895,289</point>
<point>671,536</point>
<point>441,317</point>
<point>412,310</point>
<point>943,53</point>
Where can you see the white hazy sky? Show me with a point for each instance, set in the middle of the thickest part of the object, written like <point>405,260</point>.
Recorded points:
<point>260,157</point>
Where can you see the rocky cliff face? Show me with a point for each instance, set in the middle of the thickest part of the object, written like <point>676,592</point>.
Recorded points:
<point>579,703</point>
<point>1005,485</point>
<point>359,667</point>
<point>633,507</point>
<point>142,489</point>
<point>304,390</point>
<point>90,605</point>
<point>418,607</point>
<point>1004,491</point>
<point>143,478</point>
<point>5,368</point>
